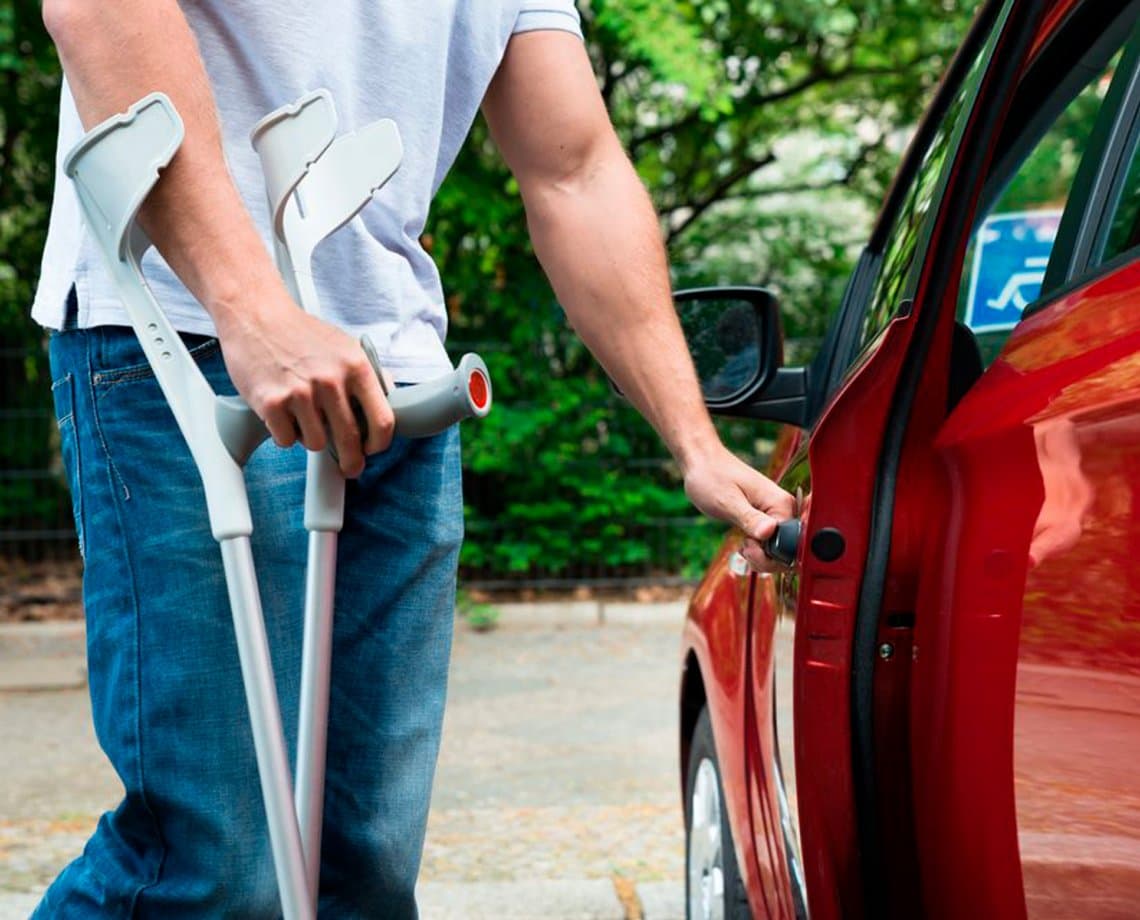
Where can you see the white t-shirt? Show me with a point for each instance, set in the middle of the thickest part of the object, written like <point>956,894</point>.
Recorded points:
<point>426,65</point>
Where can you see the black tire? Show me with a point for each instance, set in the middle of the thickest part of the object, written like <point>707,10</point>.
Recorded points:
<point>703,751</point>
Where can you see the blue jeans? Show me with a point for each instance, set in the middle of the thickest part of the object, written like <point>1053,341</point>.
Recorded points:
<point>189,838</point>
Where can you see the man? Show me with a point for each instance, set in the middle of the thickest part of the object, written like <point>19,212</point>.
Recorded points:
<point>189,838</point>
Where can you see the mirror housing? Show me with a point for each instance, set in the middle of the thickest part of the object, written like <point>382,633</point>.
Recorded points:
<point>736,341</point>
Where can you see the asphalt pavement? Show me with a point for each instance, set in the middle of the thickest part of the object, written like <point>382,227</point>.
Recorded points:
<point>557,790</point>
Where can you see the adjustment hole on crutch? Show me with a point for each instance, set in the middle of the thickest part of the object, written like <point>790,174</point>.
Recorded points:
<point>166,356</point>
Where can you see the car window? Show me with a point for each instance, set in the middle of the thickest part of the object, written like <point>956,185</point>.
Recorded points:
<point>1123,235</point>
<point>1014,237</point>
<point>1124,228</point>
<point>904,243</point>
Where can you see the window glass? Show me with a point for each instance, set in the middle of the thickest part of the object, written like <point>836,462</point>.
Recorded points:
<point>903,244</point>
<point>1124,229</point>
<point>1013,240</point>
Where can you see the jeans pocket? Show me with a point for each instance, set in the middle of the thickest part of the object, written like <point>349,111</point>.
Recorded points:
<point>63,396</point>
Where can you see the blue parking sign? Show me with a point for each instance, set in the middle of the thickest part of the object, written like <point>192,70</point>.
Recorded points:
<point>1011,252</point>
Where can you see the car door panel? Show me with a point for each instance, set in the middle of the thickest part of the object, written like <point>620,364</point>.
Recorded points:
<point>1039,606</point>
<point>843,455</point>
<point>872,474</point>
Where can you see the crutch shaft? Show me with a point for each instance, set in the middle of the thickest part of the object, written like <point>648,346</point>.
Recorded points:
<point>312,732</point>
<point>268,737</point>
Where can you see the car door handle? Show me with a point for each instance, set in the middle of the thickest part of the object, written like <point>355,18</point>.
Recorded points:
<point>784,543</point>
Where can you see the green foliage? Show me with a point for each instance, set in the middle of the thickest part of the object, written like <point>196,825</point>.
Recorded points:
<point>29,73</point>
<point>766,131</point>
<point>480,616</point>
<point>29,94</point>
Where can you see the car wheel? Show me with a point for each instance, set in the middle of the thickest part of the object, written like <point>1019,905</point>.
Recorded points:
<point>714,889</point>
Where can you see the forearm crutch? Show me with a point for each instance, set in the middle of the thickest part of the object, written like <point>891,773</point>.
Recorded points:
<point>114,167</point>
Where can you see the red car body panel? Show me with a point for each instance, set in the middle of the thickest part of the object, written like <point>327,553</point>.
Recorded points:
<point>760,751</point>
<point>715,638</point>
<point>1033,695</point>
<point>844,456</point>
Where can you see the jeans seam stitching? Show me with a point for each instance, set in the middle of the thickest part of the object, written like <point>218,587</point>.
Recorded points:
<point>65,424</point>
<point>113,474</point>
<point>65,380</point>
<point>116,477</point>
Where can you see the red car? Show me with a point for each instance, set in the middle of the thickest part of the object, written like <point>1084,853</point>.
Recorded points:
<point>935,709</point>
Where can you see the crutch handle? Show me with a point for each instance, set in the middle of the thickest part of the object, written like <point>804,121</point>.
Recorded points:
<point>428,408</point>
<point>421,410</point>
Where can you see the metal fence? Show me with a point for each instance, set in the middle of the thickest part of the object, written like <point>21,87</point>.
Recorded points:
<point>36,522</point>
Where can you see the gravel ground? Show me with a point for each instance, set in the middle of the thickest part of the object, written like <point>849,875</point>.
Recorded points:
<point>558,762</point>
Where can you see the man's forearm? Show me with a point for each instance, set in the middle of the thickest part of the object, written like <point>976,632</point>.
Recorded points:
<point>116,53</point>
<point>597,238</point>
<point>596,235</point>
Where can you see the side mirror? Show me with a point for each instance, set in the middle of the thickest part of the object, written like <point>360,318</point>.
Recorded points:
<point>734,337</point>
<point>737,345</point>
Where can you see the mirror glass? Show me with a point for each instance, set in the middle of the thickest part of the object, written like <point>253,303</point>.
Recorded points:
<point>724,340</point>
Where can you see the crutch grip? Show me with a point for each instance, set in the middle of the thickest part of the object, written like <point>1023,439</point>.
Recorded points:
<point>421,410</point>
<point>428,408</point>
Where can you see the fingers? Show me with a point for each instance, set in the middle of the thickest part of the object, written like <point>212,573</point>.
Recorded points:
<point>335,400</point>
<point>751,520</point>
<point>754,554</point>
<point>733,491</point>
<point>281,424</point>
<point>380,423</point>
<point>762,493</point>
<point>343,430</point>
<point>308,421</point>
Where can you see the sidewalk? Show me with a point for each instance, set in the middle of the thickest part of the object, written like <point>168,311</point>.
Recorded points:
<point>556,794</point>
<point>583,899</point>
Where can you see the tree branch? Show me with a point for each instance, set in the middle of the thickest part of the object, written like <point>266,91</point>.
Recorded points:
<point>718,190</point>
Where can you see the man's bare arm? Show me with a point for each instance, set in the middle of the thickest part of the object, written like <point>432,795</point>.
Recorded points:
<point>297,372</point>
<point>597,237</point>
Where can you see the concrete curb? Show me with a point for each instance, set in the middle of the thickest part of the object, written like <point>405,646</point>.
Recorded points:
<point>662,900</point>
<point>592,613</point>
<point>17,906</point>
<point>43,656</point>
<point>42,640</point>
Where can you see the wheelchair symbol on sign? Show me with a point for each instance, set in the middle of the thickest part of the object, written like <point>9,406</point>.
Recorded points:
<point>1012,295</point>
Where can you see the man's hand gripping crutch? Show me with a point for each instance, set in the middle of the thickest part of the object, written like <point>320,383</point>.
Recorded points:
<point>315,185</point>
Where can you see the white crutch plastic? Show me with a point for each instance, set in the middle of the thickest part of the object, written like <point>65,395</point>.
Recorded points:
<point>315,185</point>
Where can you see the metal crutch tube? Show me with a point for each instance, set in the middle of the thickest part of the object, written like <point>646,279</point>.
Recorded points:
<point>265,722</point>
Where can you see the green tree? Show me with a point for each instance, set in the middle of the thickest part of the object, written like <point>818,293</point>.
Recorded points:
<point>29,76</point>
<point>765,130</point>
